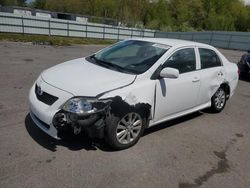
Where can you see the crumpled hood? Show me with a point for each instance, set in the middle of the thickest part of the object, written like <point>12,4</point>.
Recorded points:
<point>82,78</point>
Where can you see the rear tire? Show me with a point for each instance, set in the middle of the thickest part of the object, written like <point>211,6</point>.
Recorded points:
<point>218,100</point>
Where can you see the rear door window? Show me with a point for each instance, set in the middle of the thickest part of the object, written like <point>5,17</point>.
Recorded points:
<point>209,58</point>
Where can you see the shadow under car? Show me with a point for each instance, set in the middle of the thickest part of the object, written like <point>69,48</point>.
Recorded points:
<point>82,141</point>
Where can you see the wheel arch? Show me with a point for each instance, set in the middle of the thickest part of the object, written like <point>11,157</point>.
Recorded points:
<point>120,107</point>
<point>227,89</point>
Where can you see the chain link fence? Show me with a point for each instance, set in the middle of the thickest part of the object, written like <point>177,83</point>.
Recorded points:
<point>227,40</point>
<point>12,23</point>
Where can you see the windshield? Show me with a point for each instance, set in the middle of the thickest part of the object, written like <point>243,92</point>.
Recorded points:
<point>130,56</point>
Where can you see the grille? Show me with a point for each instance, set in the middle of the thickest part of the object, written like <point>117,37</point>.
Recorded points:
<point>45,97</point>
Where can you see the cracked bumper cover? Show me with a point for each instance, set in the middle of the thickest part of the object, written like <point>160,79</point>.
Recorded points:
<point>92,124</point>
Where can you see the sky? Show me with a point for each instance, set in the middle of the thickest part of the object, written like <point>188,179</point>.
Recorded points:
<point>247,2</point>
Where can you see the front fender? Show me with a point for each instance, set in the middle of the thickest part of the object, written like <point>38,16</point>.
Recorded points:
<point>139,93</point>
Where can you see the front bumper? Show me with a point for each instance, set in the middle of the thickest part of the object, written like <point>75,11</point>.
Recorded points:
<point>52,120</point>
<point>42,114</point>
<point>49,129</point>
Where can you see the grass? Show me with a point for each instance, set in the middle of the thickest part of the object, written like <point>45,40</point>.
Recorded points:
<point>52,40</point>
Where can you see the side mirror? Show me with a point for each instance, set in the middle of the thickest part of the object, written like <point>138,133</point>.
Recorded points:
<point>169,73</point>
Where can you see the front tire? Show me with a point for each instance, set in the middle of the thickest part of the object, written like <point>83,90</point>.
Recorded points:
<point>218,100</point>
<point>124,132</point>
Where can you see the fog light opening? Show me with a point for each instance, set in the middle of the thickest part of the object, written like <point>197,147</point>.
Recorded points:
<point>60,120</point>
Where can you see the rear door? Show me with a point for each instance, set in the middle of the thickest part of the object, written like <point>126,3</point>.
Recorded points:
<point>212,74</point>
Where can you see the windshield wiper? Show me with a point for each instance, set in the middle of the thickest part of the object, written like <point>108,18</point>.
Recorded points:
<point>109,65</point>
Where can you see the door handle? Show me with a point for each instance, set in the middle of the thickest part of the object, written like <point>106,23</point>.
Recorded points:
<point>195,79</point>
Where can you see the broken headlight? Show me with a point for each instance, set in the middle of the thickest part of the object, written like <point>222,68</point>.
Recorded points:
<point>80,105</point>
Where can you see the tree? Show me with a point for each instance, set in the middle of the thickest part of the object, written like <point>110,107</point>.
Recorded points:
<point>242,22</point>
<point>38,4</point>
<point>159,17</point>
<point>167,15</point>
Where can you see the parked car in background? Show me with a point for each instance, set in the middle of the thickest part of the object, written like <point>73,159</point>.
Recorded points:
<point>244,65</point>
<point>134,84</point>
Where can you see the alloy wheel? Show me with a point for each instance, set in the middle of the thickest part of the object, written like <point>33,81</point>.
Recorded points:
<point>220,98</point>
<point>129,128</point>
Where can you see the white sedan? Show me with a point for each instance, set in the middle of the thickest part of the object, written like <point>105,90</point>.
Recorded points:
<point>134,84</point>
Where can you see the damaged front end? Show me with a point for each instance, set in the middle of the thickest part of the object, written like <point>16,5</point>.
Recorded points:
<point>83,114</point>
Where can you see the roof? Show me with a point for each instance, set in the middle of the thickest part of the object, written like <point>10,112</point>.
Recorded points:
<point>172,42</point>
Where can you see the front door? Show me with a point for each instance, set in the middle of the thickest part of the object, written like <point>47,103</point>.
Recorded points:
<point>174,95</point>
